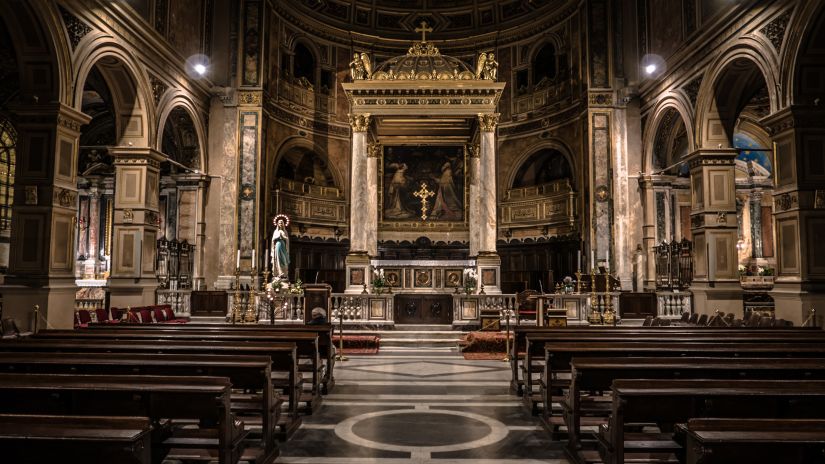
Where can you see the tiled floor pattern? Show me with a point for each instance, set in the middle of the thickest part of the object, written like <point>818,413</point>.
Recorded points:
<point>421,408</point>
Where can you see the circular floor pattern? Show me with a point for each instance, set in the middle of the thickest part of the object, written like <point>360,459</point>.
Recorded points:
<point>431,430</point>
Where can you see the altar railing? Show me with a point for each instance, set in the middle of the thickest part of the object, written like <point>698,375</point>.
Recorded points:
<point>673,304</point>
<point>179,300</point>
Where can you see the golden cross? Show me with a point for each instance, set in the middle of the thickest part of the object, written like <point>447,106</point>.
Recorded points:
<point>423,194</point>
<point>424,29</point>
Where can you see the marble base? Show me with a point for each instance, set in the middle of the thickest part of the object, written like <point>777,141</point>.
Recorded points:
<point>723,296</point>
<point>793,303</point>
<point>125,292</point>
<point>55,299</point>
<point>359,272</point>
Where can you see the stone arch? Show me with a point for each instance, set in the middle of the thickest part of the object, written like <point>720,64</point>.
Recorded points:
<point>176,104</point>
<point>551,144</point>
<point>747,64</point>
<point>43,53</point>
<point>677,104</point>
<point>806,24</point>
<point>129,86</point>
<point>300,143</point>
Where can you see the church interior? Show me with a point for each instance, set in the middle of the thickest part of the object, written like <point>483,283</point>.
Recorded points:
<point>453,231</point>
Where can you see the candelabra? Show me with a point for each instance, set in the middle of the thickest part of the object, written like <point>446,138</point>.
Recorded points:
<point>251,315</point>
<point>341,356</point>
<point>507,313</point>
<point>236,299</point>
<point>578,281</point>
<point>595,316</point>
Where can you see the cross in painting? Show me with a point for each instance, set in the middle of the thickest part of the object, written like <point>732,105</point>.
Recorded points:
<point>424,29</point>
<point>424,193</point>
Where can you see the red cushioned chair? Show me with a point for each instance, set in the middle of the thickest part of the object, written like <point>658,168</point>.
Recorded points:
<point>83,318</point>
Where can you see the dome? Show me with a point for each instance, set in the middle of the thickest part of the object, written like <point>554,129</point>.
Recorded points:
<point>422,61</point>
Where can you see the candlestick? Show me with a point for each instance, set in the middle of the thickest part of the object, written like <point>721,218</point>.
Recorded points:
<point>592,259</point>
<point>253,259</point>
<point>238,260</point>
<point>579,260</point>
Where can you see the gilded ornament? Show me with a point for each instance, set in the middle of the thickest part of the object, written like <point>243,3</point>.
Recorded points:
<point>487,122</point>
<point>359,122</point>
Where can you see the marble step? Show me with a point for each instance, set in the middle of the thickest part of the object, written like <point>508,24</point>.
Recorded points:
<point>418,342</point>
<point>424,327</point>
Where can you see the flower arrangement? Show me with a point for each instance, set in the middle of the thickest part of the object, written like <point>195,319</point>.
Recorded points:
<point>378,280</point>
<point>470,280</point>
<point>568,284</point>
<point>750,271</point>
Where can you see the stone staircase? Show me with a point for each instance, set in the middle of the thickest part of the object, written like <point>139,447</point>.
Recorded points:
<point>415,336</point>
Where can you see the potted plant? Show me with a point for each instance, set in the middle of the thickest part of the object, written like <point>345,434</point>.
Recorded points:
<point>470,280</point>
<point>378,281</point>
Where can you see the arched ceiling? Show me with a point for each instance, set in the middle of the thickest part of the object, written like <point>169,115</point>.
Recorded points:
<point>449,19</point>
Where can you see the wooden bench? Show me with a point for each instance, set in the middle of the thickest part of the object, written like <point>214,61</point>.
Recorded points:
<point>558,356</point>
<point>249,374</point>
<point>521,351</point>
<point>202,399</point>
<point>74,439</point>
<point>326,348</point>
<point>306,343</point>
<point>668,402</point>
<point>755,441</point>
<point>598,374</point>
<point>283,355</point>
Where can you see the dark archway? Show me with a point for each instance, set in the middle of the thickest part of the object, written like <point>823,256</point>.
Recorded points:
<point>180,142</point>
<point>544,166</point>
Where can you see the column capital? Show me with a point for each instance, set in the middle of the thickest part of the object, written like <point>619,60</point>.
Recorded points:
<point>64,116</point>
<point>360,122</point>
<point>474,150</point>
<point>712,156</point>
<point>792,117</point>
<point>487,122</point>
<point>137,156</point>
<point>374,150</point>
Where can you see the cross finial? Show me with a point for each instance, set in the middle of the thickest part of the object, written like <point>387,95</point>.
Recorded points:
<point>424,29</point>
<point>424,193</point>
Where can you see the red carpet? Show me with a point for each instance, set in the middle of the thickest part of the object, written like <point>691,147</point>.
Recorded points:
<point>484,356</point>
<point>358,344</point>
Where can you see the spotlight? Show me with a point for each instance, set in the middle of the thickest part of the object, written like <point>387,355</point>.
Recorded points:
<point>653,66</point>
<point>197,66</point>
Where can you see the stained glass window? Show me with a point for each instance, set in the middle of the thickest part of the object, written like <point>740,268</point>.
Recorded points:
<point>8,152</point>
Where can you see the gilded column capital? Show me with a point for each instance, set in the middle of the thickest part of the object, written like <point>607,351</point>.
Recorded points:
<point>374,150</point>
<point>359,122</point>
<point>487,122</point>
<point>474,150</point>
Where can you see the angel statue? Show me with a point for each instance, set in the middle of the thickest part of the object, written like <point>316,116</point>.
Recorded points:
<point>365,60</point>
<point>490,67</point>
<point>356,68</point>
<point>280,247</point>
<point>482,58</point>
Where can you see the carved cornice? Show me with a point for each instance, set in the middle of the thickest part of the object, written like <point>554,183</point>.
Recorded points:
<point>715,157</point>
<point>794,117</point>
<point>487,122</point>
<point>359,122</point>
<point>600,99</point>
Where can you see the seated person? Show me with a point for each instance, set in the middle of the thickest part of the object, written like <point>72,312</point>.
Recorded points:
<point>319,316</point>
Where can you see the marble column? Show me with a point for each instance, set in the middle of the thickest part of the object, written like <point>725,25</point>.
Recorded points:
<point>44,216</point>
<point>799,211</point>
<point>648,230</point>
<point>713,225</point>
<point>94,225</point>
<point>485,221</point>
<point>371,224</point>
<point>363,191</point>
<point>191,194</point>
<point>756,222</point>
<point>137,184</point>
<point>474,152</point>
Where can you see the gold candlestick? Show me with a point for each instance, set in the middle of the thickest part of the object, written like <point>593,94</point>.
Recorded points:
<point>578,282</point>
<point>251,315</point>
<point>236,298</point>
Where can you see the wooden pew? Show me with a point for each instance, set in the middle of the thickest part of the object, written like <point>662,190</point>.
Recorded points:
<point>521,350</point>
<point>754,441</point>
<point>206,399</point>
<point>306,342</point>
<point>326,348</point>
<point>283,355</point>
<point>668,402</point>
<point>558,356</point>
<point>74,439</point>
<point>247,373</point>
<point>598,374</point>
<point>534,341</point>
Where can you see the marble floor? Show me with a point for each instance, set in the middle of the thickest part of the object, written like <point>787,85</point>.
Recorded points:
<point>421,408</point>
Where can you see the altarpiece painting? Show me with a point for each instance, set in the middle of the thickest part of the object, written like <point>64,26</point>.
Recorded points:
<point>423,183</point>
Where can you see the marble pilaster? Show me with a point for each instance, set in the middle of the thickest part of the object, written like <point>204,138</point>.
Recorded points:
<point>371,223</point>
<point>44,216</point>
<point>756,222</point>
<point>474,152</point>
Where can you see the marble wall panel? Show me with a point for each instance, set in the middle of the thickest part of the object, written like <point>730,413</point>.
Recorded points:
<point>247,188</point>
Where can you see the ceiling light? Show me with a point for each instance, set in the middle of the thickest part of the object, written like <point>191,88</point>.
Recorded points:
<point>650,69</point>
<point>200,69</point>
